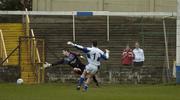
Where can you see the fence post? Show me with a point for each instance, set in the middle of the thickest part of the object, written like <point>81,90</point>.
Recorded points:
<point>108,27</point>
<point>167,70</point>
<point>27,23</point>
<point>110,76</point>
<point>74,27</point>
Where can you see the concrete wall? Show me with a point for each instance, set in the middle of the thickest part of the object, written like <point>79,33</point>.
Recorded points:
<point>105,5</point>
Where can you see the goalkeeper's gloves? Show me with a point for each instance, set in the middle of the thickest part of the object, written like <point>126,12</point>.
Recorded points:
<point>47,65</point>
<point>76,69</point>
<point>70,43</point>
<point>107,51</point>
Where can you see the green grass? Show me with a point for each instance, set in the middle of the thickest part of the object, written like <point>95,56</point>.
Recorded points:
<point>105,92</point>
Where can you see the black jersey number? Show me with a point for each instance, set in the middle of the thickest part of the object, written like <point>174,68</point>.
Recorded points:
<point>96,58</point>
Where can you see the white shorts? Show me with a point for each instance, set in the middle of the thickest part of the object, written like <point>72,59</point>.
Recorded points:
<point>92,69</point>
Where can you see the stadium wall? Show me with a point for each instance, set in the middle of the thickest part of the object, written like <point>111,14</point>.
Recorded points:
<point>9,73</point>
<point>106,5</point>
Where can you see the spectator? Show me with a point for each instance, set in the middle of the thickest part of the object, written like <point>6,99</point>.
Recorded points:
<point>138,56</point>
<point>127,56</point>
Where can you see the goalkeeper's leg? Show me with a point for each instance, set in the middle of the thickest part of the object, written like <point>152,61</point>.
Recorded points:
<point>95,80</point>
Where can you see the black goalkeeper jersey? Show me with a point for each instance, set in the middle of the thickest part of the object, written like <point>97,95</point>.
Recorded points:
<point>72,60</point>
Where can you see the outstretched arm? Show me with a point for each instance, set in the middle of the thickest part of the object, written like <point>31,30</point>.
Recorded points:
<point>58,62</point>
<point>84,49</point>
<point>62,61</point>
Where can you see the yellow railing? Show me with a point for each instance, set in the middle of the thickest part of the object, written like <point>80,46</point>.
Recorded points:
<point>38,62</point>
<point>37,51</point>
<point>32,34</point>
<point>3,53</point>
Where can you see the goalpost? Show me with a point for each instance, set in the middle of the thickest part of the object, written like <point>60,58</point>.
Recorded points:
<point>178,43</point>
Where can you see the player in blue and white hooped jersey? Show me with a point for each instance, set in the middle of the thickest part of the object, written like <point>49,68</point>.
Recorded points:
<point>94,56</point>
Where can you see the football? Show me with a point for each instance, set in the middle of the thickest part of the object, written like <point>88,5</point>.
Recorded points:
<point>19,81</point>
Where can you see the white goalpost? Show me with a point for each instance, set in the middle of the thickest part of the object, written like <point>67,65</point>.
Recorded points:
<point>178,43</point>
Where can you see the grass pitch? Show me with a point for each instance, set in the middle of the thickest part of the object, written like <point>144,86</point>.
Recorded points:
<point>105,92</point>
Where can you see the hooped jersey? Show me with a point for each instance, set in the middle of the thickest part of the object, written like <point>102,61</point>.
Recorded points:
<point>94,56</point>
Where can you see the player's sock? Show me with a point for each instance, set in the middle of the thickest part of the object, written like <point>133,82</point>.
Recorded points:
<point>85,87</point>
<point>81,80</point>
<point>97,84</point>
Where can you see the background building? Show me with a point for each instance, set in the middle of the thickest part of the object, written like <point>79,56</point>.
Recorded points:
<point>106,5</point>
